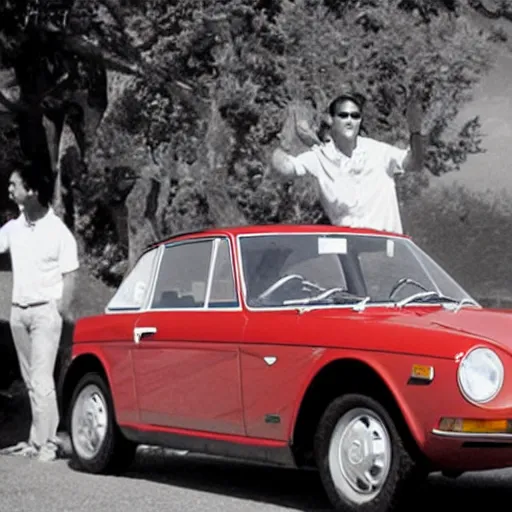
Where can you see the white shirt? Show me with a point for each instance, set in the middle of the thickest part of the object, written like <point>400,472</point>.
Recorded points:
<point>357,191</point>
<point>41,253</point>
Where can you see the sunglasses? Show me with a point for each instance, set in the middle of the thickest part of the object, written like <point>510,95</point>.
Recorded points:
<point>346,115</point>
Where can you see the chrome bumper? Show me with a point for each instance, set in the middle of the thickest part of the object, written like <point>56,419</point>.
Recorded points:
<point>465,436</point>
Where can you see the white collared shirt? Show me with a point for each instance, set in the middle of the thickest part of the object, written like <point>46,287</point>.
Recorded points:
<point>41,252</point>
<point>357,191</point>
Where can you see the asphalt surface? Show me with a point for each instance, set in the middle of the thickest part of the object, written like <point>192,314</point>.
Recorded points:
<point>161,480</point>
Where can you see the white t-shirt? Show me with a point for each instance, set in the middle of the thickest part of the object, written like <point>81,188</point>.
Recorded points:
<point>357,191</point>
<point>41,253</point>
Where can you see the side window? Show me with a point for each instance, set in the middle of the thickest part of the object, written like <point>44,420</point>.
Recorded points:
<point>133,290</point>
<point>183,274</point>
<point>223,292</point>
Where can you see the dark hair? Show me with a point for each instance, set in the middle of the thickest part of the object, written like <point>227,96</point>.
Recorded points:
<point>323,131</point>
<point>37,180</point>
<point>355,97</point>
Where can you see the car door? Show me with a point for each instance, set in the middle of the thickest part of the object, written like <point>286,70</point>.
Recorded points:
<point>186,360</point>
<point>115,331</point>
<point>277,356</point>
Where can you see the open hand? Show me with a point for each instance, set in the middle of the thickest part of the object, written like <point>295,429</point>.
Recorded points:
<point>305,133</point>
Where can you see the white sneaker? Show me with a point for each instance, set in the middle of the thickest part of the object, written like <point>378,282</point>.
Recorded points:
<point>46,454</point>
<point>22,449</point>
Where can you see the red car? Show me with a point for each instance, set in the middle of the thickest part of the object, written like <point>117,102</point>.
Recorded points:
<point>347,350</point>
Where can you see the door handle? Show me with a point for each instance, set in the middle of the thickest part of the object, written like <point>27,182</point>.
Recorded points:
<point>139,332</point>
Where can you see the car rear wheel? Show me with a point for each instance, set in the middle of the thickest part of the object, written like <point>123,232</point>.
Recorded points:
<point>98,444</point>
<point>363,463</point>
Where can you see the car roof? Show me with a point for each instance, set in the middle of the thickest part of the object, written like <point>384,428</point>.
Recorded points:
<point>262,229</point>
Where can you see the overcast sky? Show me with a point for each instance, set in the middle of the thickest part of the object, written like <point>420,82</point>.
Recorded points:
<point>493,103</point>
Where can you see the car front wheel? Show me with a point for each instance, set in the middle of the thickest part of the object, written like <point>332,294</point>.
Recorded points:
<point>361,457</point>
<point>98,445</point>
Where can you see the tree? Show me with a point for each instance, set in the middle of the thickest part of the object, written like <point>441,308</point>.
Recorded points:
<point>244,63</point>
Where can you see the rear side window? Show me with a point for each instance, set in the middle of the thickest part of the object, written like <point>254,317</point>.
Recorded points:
<point>132,292</point>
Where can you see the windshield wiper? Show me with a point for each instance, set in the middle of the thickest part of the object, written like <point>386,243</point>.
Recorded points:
<point>424,296</point>
<point>329,297</point>
<point>361,305</point>
<point>457,307</point>
<point>433,296</point>
<point>405,281</point>
<point>358,306</point>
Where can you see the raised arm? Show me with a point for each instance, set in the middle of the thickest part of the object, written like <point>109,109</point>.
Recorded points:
<point>283,160</point>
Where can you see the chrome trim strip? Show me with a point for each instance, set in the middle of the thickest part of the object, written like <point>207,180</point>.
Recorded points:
<point>239,274</point>
<point>469,435</point>
<point>146,307</point>
<point>211,268</point>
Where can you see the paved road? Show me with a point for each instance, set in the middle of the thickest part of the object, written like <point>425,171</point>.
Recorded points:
<point>161,481</point>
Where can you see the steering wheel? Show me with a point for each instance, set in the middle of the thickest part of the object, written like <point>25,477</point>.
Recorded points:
<point>280,282</point>
<point>402,282</point>
<point>324,295</point>
<point>327,293</point>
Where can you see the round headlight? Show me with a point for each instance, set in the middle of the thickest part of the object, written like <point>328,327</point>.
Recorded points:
<point>480,375</point>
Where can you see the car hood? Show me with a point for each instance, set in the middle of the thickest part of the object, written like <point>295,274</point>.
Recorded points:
<point>414,329</point>
<point>493,326</point>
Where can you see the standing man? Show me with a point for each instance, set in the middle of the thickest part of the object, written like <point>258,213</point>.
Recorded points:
<point>355,173</point>
<point>44,262</point>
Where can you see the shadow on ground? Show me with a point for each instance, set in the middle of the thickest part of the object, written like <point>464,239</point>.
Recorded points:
<point>302,490</point>
<point>14,417</point>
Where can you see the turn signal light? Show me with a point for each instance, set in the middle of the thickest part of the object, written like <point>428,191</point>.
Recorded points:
<point>475,426</point>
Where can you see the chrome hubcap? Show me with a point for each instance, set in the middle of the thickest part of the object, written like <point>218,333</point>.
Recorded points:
<point>89,422</point>
<point>360,455</point>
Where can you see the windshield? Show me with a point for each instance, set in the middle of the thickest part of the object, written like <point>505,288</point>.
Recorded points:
<point>293,269</point>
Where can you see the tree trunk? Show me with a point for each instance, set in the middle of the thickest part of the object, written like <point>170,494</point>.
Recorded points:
<point>218,146</point>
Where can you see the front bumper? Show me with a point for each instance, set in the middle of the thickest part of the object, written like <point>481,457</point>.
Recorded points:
<point>462,451</point>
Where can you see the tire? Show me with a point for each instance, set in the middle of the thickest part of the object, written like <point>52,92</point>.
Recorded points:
<point>356,437</point>
<point>98,444</point>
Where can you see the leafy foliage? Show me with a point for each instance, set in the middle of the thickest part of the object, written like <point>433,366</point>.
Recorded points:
<point>9,154</point>
<point>251,59</point>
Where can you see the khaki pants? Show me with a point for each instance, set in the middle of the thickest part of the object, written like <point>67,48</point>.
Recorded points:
<point>36,332</point>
